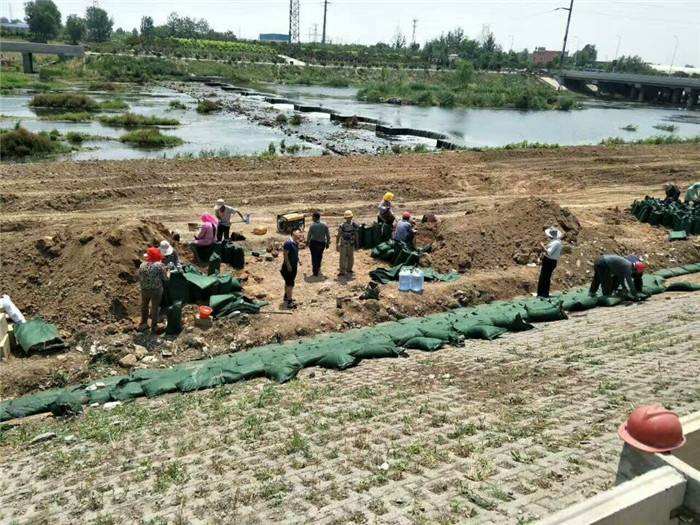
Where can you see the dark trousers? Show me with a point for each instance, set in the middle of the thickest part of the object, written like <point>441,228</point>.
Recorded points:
<point>603,279</point>
<point>548,266</point>
<point>222,232</point>
<point>317,248</point>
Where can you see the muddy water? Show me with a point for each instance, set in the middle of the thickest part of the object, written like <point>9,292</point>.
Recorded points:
<point>498,127</point>
<point>247,127</point>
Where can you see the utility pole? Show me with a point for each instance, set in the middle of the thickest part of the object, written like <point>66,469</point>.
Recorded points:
<point>566,33</point>
<point>293,21</point>
<point>325,12</point>
<point>617,52</point>
<point>413,38</point>
<point>673,58</point>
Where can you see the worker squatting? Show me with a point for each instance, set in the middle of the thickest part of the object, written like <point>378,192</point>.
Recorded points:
<point>612,273</point>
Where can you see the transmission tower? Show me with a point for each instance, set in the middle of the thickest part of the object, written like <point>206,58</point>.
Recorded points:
<point>413,38</point>
<point>293,21</point>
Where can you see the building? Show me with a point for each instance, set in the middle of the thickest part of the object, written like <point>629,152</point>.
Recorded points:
<point>13,26</point>
<point>543,57</point>
<point>274,37</point>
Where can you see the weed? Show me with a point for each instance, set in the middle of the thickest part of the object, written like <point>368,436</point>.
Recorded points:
<point>377,506</point>
<point>68,101</point>
<point>467,429</point>
<point>176,104</point>
<point>297,443</point>
<point>21,144</point>
<point>80,116</point>
<point>116,104</point>
<point>150,138</point>
<point>206,106</point>
<point>133,120</point>
<point>169,474</point>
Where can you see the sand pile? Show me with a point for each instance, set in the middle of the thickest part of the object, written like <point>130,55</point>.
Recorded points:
<point>79,275</point>
<point>502,236</point>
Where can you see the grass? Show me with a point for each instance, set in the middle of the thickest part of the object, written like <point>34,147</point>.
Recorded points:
<point>22,144</point>
<point>651,141</point>
<point>133,120</point>
<point>630,127</point>
<point>150,138</point>
<point>208,106</point>
<point>67,101</point>
<point>116,104</point>
<point>666,127</point>
<point>76,116</point>
<point>13,80</point>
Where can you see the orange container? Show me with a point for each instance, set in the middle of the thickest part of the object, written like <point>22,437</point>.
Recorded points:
<point>204,312</point>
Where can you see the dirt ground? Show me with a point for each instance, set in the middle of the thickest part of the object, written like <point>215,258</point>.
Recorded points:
<point>504,431</point>
<point>73,233</point>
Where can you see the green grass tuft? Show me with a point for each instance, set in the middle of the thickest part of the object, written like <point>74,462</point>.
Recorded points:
<point>133,120</point>
<point>68,101</point>
<point>150,138</point>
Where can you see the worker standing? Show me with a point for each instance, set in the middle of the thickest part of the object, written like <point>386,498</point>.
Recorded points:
<point>346,242</point>
<point>152,277</point>
<point>405,230</point>
<point>318,239</point>
<point>290,266</point>
<point>223,213</point>
<point>386,214</point>
<point>613,272</point>
<point>550,258</point>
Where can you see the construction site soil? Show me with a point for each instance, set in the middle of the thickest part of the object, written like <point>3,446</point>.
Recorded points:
<point>73,234</point>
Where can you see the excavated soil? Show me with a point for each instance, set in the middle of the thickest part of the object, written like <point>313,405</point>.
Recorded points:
<point>73,233</point>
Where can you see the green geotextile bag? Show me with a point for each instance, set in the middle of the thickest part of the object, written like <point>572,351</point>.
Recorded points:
<point>67,404</point>
<point>386,275</point>
<point>578,300</point>
<point>214,265</point>
<point>543,310</point>
<point>38,336</point>
<point>653,284</point>
<point>678,235</point>
<point>692,268</point>
<point>371,236</point>
<point>609,300</point>
<point>427,344</point>
<point>473,330</point>
<point>682,286</point>
<point>225,304</point>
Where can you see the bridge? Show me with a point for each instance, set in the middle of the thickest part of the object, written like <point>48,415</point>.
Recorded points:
<point>649,88</point>
<point>29,49</point>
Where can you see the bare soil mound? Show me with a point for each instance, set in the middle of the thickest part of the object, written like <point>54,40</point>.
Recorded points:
<point>79,274</point>
<point>508,233</point>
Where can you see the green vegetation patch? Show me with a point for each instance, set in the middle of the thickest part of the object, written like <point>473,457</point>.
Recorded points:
<point>68,101</point>
<point>176,104</point>
<point>208,106</point>
<point>134,120</point>
<point>79,116</point>
<point>22,144</point>
<point>150,138</point>
<point>116,104</point>
<point>652,141</point>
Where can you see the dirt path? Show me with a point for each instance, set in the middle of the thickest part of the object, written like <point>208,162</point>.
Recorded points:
<point>71,233</point>
<point>495,432</point>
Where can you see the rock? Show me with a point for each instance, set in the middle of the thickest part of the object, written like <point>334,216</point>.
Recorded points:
<point>269,257</point>
<point>192,341</point>
<point>97,285</point>
<point>149,359</point>
<point>260,295</point>
<point>128,361</point>
<point>140,351</point>
<point>61,357</point>
<point>111,405</point>
<point>43,437</point>
<point>384,466</point>
<point>69,438</point>
<point>166,353</point>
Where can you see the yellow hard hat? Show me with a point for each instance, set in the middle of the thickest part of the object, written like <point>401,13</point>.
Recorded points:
<point>348,214</point>
<point>388,196</point>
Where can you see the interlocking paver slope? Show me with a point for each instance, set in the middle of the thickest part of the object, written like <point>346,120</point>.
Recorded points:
<point>502,431</point>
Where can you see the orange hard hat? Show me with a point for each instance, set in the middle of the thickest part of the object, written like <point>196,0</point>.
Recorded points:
<point>652,428</point>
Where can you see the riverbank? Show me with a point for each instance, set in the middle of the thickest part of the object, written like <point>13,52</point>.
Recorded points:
<point>71,258</point>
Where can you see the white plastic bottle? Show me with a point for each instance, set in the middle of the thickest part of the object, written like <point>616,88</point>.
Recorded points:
<point>417,280</point>
<point>405,278</point>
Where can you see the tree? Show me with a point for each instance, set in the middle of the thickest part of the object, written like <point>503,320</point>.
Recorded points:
<point>75,29</point>
<point>147,28</point>
<point>399,40</point>
<point>587,55</point>
<point>43,18</point>
<point>98,24</point>
<point>465,72</point>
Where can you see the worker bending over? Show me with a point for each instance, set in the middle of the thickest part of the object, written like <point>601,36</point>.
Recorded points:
<point>673,193</point>
<point>386,214</point>
<point>613,272</point>
<point>345,242</point>
<point>223,213</point>
<point>405,230</point>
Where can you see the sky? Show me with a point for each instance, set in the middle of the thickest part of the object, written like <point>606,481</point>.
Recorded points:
<point>651,28</point>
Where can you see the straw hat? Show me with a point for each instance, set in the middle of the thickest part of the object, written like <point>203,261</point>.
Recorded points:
<point>553,233</point>
<point>348,214</point>
<point>220,203</point>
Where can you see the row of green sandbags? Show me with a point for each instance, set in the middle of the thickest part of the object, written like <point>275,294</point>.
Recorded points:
<point>674,216</point>
<point>282,362</point>
<point>373,235</point>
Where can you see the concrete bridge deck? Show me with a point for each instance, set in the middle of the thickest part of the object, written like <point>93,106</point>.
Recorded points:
<point>28,49</point>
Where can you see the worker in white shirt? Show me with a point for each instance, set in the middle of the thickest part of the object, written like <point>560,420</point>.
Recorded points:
<point>550,258</point>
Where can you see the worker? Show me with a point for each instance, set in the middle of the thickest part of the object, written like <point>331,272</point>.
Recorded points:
<point>171,259</point>
<point>673,194</point>
<point>290,265</point>
<point>203,244</point>
<point>386,214</point>
<point>405,230</point>
<point>318,239</point>
<point>692,196</point>
<point>153,276</point>
<point>550,258</point>
<point>223,214</point>
<point>345,243</point>
<point>613,272</point>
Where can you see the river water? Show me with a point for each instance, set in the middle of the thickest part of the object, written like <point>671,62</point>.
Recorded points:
<point>239,134</point>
